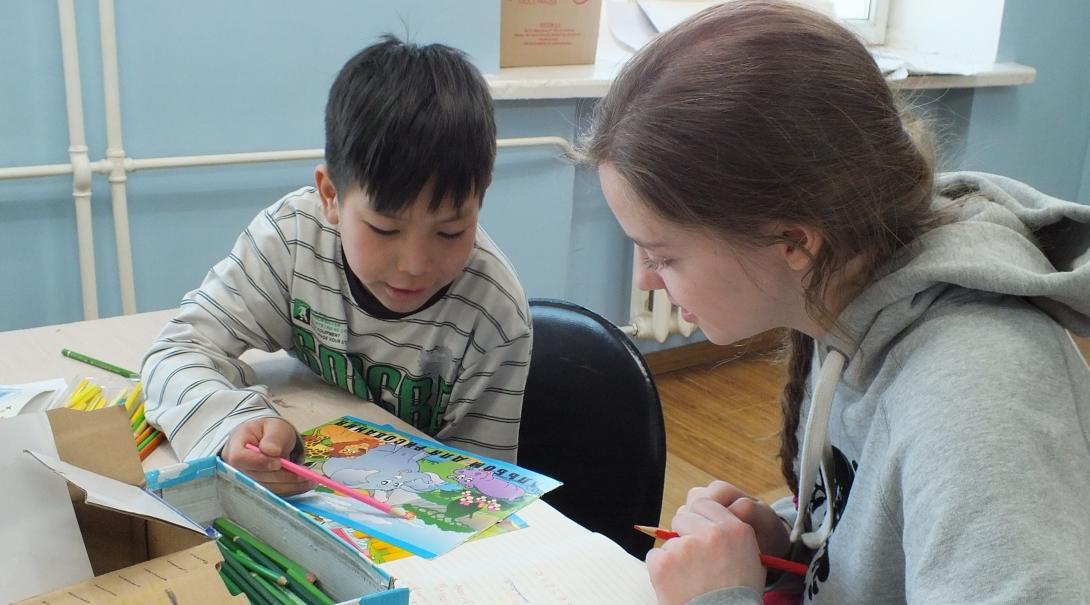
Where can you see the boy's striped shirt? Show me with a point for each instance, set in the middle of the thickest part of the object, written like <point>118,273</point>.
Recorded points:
<point>456,370</point>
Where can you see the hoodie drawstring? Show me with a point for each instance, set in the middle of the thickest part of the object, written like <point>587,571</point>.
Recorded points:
<point>817,453</point>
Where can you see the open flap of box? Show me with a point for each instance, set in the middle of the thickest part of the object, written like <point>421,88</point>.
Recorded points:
<point>114,495</point>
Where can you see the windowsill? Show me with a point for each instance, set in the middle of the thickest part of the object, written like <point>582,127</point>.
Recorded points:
<point>593,80</point>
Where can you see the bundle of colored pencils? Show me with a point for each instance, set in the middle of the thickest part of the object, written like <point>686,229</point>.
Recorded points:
<point>89,396</point>
<point>265,575</point>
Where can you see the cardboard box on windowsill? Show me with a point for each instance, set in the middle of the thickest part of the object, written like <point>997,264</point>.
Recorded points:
<point>152,545</point>
<point>548,32</point>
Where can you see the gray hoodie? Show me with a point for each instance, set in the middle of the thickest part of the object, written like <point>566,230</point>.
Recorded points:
<point>955,411</point>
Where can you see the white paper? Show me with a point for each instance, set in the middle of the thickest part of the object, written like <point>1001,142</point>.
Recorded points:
<point>923,63</point>
<point>29,397</point>
<point>116,495</point>
<point>629,24</point>
<point>554,560</point>
<point>665,14</point>
<point>41,548</point>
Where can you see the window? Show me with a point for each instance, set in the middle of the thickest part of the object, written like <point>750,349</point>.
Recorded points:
<point>867,18</point>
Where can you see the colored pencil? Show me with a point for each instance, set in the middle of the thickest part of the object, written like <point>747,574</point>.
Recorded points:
<point>98,363</point>
<point>130,401</point>
<point>232,587</point>
<point>265,572</point>
<point>146,439</point>
<point>81,399</point>
<point>306,473</point>
<point>270,592</point>
<point>137,418</point>
<point>243,577</point>
<point>148,430</point>
<point>158,438</point>
<point>228,528</point>
<point>792,567</point>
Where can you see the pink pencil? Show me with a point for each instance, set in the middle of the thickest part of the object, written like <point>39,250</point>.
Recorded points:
<point>306,473</point>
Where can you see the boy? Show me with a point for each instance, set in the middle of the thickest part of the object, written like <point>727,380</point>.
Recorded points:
<point>378,278</point>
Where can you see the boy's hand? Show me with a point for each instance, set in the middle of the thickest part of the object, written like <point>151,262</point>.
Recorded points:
<point>276,438</point>
<point>716,550</point>
<point>773,537</point>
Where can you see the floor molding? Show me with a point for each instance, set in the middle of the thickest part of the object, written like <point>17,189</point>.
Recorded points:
<point>705,353</point>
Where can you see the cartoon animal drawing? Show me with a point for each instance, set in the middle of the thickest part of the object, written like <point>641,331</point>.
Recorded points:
<point>466,506</point>
<point>383,470</point>
<point>487,484</point>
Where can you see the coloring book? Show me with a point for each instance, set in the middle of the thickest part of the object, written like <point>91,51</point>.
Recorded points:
<point>378,551</point>
<point>453,494</point>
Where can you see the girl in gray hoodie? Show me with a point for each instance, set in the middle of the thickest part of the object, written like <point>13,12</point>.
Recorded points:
<point>937,411</point>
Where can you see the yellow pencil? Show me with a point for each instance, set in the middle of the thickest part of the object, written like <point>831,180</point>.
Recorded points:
<point>96,403</point>
<point>121,397</point>
<point>86,396</point>
<point>133,396</point>
<point>74,397</point>
<point>140,428</point>
<point>137,417</point>
<point>79,387</point>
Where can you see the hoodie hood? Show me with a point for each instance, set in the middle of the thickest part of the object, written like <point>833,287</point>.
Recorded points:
<point>1001,237</point>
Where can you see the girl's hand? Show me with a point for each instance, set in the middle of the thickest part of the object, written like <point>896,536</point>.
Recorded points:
<point>276,438</point>
<point>773,537</point>
<point>715,550</point>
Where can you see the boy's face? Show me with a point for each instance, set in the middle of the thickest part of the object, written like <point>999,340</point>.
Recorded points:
<point>402,259</point>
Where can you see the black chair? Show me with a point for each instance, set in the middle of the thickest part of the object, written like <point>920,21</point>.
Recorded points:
<point>592,418</point>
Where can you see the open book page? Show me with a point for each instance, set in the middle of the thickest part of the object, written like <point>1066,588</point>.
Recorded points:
<point>452,495</point>
<point>378,551</point>
<point>552,561</point>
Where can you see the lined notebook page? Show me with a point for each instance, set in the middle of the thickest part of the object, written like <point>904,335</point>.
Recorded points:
<point>553,561</point>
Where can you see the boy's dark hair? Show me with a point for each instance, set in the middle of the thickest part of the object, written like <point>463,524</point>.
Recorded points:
<point>400,115</point>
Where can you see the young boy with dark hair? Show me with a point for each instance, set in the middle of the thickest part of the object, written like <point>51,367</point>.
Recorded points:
<point>378,278</point>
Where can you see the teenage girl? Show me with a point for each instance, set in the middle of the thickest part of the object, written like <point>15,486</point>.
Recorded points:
<point>936,412</point>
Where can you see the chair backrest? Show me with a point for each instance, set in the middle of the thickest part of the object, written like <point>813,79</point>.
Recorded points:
<point>592,418</point>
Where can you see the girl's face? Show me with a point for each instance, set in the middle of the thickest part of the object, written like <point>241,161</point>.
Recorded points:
<point>730,292</point>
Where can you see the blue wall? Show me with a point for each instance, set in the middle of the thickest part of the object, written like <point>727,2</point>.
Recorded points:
<point>1039,133</point>
<point>214,77</point>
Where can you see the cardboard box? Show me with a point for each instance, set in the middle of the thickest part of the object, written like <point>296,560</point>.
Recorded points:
<point>152,546</point>
<point>548,32</point>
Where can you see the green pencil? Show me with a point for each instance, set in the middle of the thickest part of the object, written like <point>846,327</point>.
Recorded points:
<point>241,577</point>
<point>98,363</point>
<point>232,587</point>
<point>226,526</point>
<point>265,572</point>
<point>298,578</point>
<point>270,591</point>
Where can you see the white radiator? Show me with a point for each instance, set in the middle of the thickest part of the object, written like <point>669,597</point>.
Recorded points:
<point>650,313</point>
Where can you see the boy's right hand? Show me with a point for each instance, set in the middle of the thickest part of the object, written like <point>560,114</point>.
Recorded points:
<point>276,438</point>
<point>772,534</point>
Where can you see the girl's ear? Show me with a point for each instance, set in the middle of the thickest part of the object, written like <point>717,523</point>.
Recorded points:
<point>799,245</point>
<point>328,193</point>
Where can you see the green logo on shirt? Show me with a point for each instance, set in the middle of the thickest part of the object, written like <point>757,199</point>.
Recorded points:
<point>419,400</point>
<point>300,310</point>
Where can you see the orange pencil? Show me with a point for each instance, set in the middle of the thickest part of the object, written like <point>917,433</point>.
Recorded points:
<point>768,561</point>
<point>151,445</point>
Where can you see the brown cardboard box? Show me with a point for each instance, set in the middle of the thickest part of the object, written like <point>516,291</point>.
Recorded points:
<point>145,560</point>
<point>134,559</point>
<point>548,32</point>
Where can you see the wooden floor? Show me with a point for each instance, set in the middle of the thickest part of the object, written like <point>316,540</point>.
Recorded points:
<point>723,421</point>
